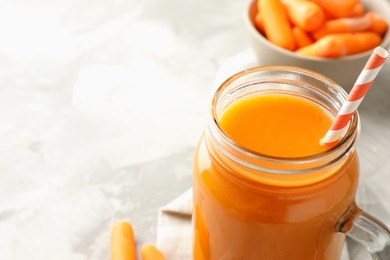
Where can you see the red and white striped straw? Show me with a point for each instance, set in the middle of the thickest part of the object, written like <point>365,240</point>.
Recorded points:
<point>355,97</point>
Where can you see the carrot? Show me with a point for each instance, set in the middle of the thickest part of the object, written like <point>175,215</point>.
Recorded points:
<point>368,22</point>
<point>259,22</point>
<point>150,252</point>
<point>338,45</point>
<point>337,8</point>
<point>343,25</point>
<point>276,24</point>
<point>305,14</point>
<point>122,242</point>
<point>301,37</point>
<point>327,15</point>
<point>357,10</point>
<point>378,24</point>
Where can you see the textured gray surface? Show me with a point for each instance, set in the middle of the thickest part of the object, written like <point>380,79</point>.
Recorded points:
<point>101,104</point>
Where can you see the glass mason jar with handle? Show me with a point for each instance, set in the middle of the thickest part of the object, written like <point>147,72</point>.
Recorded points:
<point>252,205</point>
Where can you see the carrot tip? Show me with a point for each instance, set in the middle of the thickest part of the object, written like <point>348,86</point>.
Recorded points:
<point>122,244</point>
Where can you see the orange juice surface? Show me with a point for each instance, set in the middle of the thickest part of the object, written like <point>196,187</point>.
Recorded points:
<point>237,217</point>
<point>290,127</point>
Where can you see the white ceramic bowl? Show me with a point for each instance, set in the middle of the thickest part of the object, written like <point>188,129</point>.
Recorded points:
<point>343,70</point>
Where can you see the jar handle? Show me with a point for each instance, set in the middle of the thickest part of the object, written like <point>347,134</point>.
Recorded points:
<point>367,231</point>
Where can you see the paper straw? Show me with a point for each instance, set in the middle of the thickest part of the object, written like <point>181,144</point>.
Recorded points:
<point>355,97</point>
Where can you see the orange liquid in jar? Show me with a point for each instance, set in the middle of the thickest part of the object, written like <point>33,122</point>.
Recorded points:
<point>290,127</point>
<point>240,218</point>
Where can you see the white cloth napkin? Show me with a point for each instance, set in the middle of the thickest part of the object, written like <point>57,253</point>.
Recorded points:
<point>174,231</point>
<point>174,228</point>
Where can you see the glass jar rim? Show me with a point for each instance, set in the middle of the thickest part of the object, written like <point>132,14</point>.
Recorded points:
<point>335,152</point>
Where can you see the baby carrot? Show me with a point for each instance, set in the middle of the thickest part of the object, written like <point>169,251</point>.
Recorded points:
<point>301,37</point>
<point>357,10</point>
<point>378,24</point>
<point>122,242</point>
<point>259,22</point>
<point>276,24</point>
<point>150,252</point>
<point>338,45</point>
<point>305,14</point>
<point>337,8</point>
<point>369,22</point>
<point>342,25</point>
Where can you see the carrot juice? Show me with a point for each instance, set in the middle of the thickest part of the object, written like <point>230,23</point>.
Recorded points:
<point>277,125</point>
<point>264,187</point>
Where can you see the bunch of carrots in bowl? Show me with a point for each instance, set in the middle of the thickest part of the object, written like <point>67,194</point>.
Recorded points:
<point>332,37</point>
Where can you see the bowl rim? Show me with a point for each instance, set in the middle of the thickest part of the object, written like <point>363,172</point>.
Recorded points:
<point>258,35</point>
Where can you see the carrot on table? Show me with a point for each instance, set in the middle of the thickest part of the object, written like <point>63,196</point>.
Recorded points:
<point>122,242</point>
<point>305,14</point>
<point>150,252</point>
<point>276,24</point>
<point>368,22</point>
<point>338,45</point>
<point>301,37</point>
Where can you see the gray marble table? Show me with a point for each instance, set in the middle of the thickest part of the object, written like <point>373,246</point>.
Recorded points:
<point>101,105</point>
